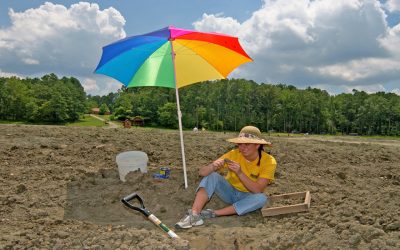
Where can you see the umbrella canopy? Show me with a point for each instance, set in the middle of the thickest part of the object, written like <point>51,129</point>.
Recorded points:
<point>151,59</point>
<point>173,58</point>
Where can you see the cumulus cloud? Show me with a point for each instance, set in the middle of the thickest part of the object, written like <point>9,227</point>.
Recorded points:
<point>9,74</point>
<point>98,85</point>
<point>55,39</point>
<point>335,45</point>
<point>317,43</point>
<point>89,84</point>
<point>373,88</point>
<point>392,5</point>
<point>218,23</point>
<point>396,91</point>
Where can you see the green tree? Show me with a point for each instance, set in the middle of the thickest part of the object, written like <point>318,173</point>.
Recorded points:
<point>103,109</point>
<point>168,115</point>
<point>123,105</point>
<point>90,104</point>
<point>54,110</point>
<point>227,104</point>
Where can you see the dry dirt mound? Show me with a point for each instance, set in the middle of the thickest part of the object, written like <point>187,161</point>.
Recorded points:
<point>60,189</point>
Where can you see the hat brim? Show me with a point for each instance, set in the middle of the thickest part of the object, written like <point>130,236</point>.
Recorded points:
<point>249,140</point>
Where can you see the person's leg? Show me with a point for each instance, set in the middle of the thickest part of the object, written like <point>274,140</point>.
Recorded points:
<point>244,202</point>
<point>193,217</point>
<point>204,192</point>
<point>250,202</point>
<point>217,184</point>
<point>213,183</point>
<point>200,200</point>
<point>229,210</point>
<point>247,202</point>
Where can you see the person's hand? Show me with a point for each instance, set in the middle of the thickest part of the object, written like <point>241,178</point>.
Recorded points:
<point>234,166</point>
<point>217,164</point>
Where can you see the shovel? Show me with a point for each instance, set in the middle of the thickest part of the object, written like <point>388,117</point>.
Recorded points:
<point>126,200</point>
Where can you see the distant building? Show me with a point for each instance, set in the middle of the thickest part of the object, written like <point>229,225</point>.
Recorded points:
<point>137,121</point>
<point>95,111</point>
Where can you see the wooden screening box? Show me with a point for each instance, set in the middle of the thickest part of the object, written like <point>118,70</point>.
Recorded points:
<point>270,210</point>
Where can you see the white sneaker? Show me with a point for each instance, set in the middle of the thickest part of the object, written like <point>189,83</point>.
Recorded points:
<point>190,220</point>
<point>208,214</point>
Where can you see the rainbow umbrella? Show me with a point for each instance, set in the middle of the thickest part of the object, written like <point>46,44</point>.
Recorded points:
<point>172,58</point>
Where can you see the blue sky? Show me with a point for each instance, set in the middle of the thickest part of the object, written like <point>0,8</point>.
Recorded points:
<point>333,45</point>
<point>142,16</point>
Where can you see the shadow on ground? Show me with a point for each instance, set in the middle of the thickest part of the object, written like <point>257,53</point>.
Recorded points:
<point>96,198</point>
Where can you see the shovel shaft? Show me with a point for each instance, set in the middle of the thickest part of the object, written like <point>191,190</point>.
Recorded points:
<point>157,222</point>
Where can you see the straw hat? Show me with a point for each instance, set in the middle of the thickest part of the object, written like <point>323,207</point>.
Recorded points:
<point>249,134</point>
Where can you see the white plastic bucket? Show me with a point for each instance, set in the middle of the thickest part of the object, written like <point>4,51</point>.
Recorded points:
<point>131,161</point>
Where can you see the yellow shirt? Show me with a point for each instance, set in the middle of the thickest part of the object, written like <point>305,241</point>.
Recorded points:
<point>250,169</point>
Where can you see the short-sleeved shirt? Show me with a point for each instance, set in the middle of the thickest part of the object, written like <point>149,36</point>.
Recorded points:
<point>266,169</point>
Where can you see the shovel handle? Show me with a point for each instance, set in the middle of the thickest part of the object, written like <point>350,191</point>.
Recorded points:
<point>132,196</point>
<point>147,213</point>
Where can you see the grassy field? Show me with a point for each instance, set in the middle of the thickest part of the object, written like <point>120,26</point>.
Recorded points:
<point>87,121</point>
<point>105,117</point>
<point>11,122</point>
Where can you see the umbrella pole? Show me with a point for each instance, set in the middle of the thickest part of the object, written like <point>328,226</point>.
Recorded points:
<point>179,117</point>
<point>181,136</point>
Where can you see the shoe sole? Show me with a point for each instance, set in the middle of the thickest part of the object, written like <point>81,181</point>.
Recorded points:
<point>181,227</point>
<point>199,223</point>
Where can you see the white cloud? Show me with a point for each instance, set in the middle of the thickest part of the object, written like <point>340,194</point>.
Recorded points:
<point>310,43</point>
<point>218,23</point>
<point>392,5</point>
<point>348,88</point>
<point>391,41</point>
<point>98,85</point>
<point>369,88</point>
<point>90,85</point>
<point>9,74</point>
<point>106,85</point>
<point>30,61</point>
<point>396,91</point>
<point>360,69</point>
<point>338,45</point>
<point>55,39</point>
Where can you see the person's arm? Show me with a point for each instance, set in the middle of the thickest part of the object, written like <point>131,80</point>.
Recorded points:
<point>214,166</point>
<point>253,186</point>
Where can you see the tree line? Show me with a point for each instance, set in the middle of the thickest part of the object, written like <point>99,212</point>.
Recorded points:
<point>45,100</point>
<point>216,105</point>
<point>232,104</point>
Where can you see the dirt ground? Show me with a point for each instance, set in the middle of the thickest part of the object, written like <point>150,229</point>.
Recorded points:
<point>60,189</point>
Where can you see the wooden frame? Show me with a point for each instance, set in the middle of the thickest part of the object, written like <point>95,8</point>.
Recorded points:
<point>267,210</point>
